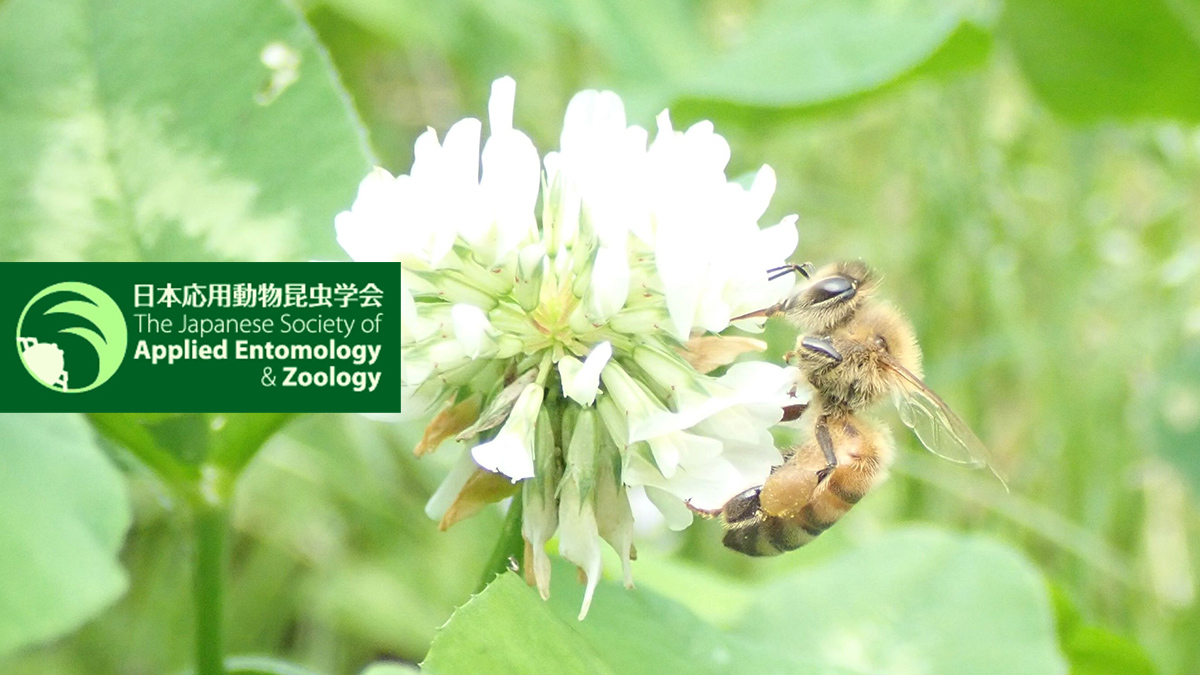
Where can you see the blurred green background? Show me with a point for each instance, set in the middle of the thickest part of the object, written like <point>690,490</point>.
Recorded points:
<point>1025,174</point>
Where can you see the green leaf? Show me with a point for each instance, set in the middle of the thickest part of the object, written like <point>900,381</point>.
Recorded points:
<point>1093,650</point>
<point>261,665</point>
<point>810,53</point>
<point>137,130</point>
<point>918,600</point>
<point>1175,411</point>
<point>175,445</point>
<point>390,669</point>
<point>239,436</point>
<point>1095,59</point>
<point>507,629</point>
<point>914,601</point>
<point>63,515</point>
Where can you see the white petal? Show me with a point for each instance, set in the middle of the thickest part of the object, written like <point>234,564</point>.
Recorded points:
<point>506,455</point>
<point>471,328</point>
<point>663,120</point>
<point>579,540</point>
<point>580,381</point>
<point>746,382</point>
<point>709,148</point>
<point>368,232</point>
<point>713,313</point>
<point>672,508</point>
<point>415,371</point>
<point>614,519</point>
<point>500,104</point>
<point>427,155</point>
<point>610,283</point>
<point>539,521</point>
<point>591,115</point>
<point>511,451</point>
<point>779,240</point>
<point>460,153</point>
<point>510,184</point>
<point>648,521</point>
<point>451,485</point>
<point>666,454</point>
<point>578,533</point>
<point>761,191</point>
<point>634,402</point>
<point>671,450</point>
<point>681,266</point>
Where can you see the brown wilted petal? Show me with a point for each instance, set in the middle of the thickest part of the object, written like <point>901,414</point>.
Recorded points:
<point>708,352</point>
<point>528,558</point>
<point>482,488</point>
<point>498,410</point>
<point>448,422</point>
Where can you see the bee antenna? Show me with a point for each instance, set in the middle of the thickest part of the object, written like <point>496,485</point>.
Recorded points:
<point>804,269</point>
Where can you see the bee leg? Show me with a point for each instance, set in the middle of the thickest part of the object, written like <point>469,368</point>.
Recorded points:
<point>703,513</point>
<point>826,443</point>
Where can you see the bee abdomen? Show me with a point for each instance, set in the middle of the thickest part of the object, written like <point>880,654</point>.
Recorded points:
<point>821,514</point>
<point>849,492</point>
<point>766,536</point>
<point>755,533</point>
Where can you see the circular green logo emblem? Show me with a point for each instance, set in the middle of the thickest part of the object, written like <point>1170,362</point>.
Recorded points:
<point>72,337</point>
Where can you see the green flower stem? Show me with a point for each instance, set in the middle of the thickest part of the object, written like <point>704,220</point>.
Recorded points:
<point>135,438</point>
<point>211,521</point>
<point>511,544</point>
<point>229,443</point>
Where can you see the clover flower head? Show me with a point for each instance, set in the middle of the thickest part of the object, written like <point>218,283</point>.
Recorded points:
<point>562,313</point>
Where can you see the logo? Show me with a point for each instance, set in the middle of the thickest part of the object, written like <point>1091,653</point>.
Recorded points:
<point>71,337</point>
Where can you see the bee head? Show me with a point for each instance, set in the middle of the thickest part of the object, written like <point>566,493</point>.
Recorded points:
<point>834,294</point>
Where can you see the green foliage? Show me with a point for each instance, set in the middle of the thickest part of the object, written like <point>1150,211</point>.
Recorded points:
<point>809,53</point>
<point>63,516</point>
<point>258,665</point>
<point>1093,650</point>
<point>389,669</point>
<point>914,601</point>
<point>175,446</point>
<point>1175,410</point>
<point>1051,271</point>
<point>150,131</point>
<point>1091,59</point>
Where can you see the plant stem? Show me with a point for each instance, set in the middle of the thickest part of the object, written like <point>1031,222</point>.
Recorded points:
<point>511,544</point>
<point>211,522</point>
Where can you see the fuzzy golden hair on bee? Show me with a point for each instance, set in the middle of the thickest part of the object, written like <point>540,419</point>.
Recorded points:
<point>795,505</point>
<point>854,351</point>
<point>851,369</point>
<point>829,297</point>
<point>880,329</point>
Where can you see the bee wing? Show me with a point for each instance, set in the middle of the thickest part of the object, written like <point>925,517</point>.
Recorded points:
<point>940,430</point>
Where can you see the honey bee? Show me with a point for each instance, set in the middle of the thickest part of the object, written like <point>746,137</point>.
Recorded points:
<point>854,350</point>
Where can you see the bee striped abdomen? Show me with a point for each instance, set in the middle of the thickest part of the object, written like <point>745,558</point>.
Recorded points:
<point>793,507</point>
<point>767,535</point>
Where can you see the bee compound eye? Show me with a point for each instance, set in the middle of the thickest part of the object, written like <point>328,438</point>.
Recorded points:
<point>831,288</point>
<point>821,346</point>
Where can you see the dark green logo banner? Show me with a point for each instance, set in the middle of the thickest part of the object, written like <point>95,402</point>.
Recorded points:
<point>201,337</point>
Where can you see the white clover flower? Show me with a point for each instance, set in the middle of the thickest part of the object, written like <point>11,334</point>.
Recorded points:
<point>577,327</point>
